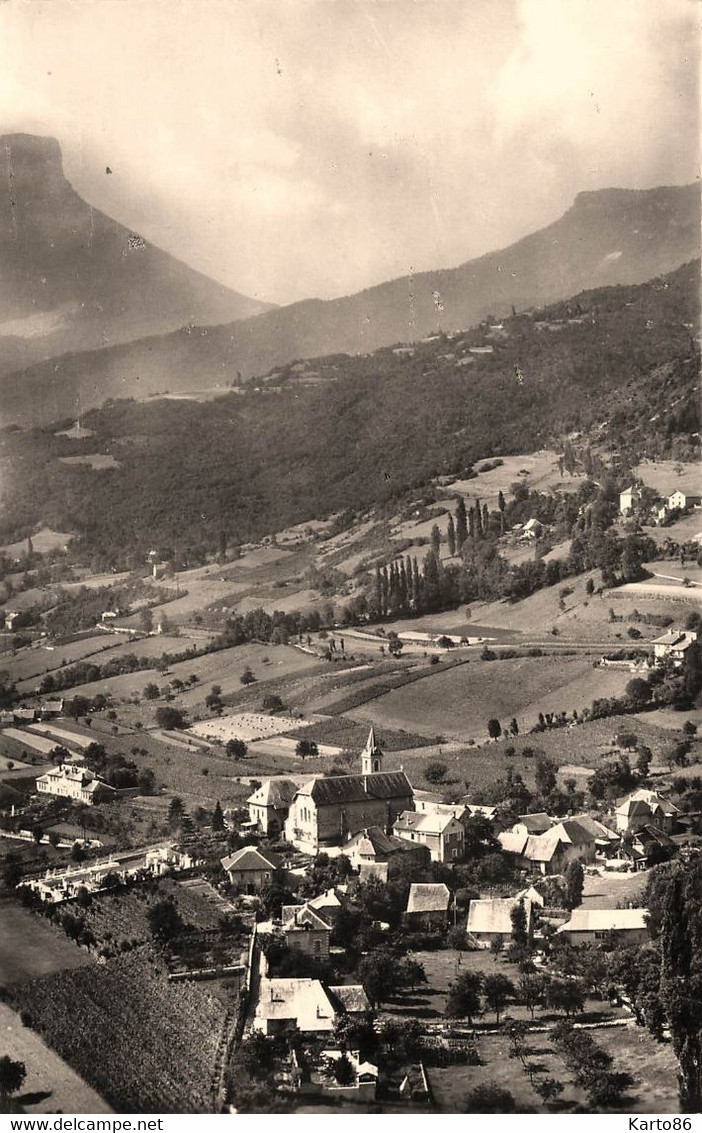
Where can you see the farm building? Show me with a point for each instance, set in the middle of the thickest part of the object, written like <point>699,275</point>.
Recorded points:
<point>250,868</point>
<point>491,919</point>
<point>428,904</point>
<point>326,811</point>
<point>537,823</point>
<point>550,852</point>
<point>681,500</point>
<point>327,904</point>
<point>645,808</point>
<point>442,834</point>
<point>590,926</point>
<point>269,805</point>
<point>68,781</point>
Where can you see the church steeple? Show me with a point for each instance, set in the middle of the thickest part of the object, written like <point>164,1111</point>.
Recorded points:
<point>371,756</point>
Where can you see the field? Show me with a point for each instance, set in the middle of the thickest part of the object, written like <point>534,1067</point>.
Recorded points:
<point>44,541</point>
<point>31,947</point>
<point>459,702</point>
<point>37,743</point>
<point>634,1049</point>
<point>245,726</point>
<point>96,460</point>
<point>51,1086</point>
<point>145,1045</point>
<point>666,476</point>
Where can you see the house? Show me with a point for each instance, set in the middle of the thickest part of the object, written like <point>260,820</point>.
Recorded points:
<point>60,885</point>
<point>443,834</point>
<point>673,644</point>
<point>532,529</point>
<point>550,852</point>
<point>350,999</point>
<point>491,919</point>
<point>71,782</point>
<point>251,868</point>
<point>488,812</point>
<point>591,926</point>
<point>373,852</point>
<point>648,846</point>
<point>51,708</point>
<point>428,904</point>
<point>270,804</point>
<point>628,499</point>
<point>645,808</point>
<point>305,929</point>
<point>537,823</point>
<point>328,905</point>
<point>293,1002</point>
<point>328,810</point>
<point>426,802</point>
<point>679,501</point>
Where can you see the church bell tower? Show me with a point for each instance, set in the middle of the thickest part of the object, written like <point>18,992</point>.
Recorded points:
<point>371,756</point>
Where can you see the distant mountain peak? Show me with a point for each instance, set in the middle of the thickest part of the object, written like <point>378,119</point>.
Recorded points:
<point>61,257</point>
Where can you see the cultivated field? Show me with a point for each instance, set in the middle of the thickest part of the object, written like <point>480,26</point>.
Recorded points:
<point>458,702</point>
<point>145,1045</point>
<point>51,1086</point>
<point>245,726</point>
<point>31,947</point>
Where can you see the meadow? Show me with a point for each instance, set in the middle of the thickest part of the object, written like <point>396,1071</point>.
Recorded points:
<point>459,702</point>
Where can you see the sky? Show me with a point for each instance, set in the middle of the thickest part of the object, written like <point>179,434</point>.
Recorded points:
<point>297,148</point>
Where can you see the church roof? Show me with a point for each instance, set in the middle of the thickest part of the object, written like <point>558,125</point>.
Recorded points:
<point>371,747</point>
<point>335,789</point>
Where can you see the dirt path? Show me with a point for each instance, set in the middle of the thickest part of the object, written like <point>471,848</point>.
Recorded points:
<point>50,1086</point>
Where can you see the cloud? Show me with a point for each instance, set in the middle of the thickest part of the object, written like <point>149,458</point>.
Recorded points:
<point>319,146</point>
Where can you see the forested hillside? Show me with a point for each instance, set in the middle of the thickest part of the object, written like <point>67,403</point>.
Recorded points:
<point>619,364</point>
<point>611,236</point>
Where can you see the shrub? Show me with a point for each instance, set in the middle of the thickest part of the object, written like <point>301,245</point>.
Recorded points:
<point>435,772</point>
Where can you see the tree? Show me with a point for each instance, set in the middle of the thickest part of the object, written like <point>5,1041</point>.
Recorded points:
<point>175,812</point>
<point>498,990</point>
<point>518,916</point>
<point>494,729</point>
<point>12,870</point>
<point>151,691</point>
<point>164,920</point>
<point>565,995</point>
<point>217,817</point>
<point>172,719</point>
<point>461,523</point>
<point>12,1076</point>
<point>435,772</point>
<point>574,881</point>
<point>531,991</point>
<point>343,1071</point>
<point>464,996</point>
<point>627,740</point>
<point>378,972</point>
<point>236,749</point>
<point>247,677</point>
<point>638,691</point>
<point>545,775</point>
<point>681,979</point>
<point>146,620</point>
<point>451,536</point>
<point>306,748</point>
<point>548,1088</point>
<point>489,1098</point>
<point>643,761</point>
<point>146,781</point>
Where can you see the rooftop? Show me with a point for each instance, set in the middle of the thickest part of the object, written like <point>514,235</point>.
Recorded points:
<point>495,914</point>
<point>253,858</point>
<point>428,898</point>
<point>605,920</point>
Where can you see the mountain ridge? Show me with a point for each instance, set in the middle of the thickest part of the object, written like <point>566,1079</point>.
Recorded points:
<point>72,278</point>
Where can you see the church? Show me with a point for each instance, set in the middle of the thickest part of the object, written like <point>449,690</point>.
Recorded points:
<point>328,811</point>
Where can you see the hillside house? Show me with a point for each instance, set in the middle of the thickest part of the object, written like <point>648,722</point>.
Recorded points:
<point>305,929</point>
<point>328,905</point>
<point>682,500</point>
<point>68,781</point>
<point>628,499</point>
<point>645,808</point>
<point>327,811</point>
<point>648,846</point>
<point>442,834</point>
<point>428,905</point>
<point>674,645</point>
<point>491,919</point>
<point>270,804</point>
<point>592,926</point>
<point>251,868</point>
